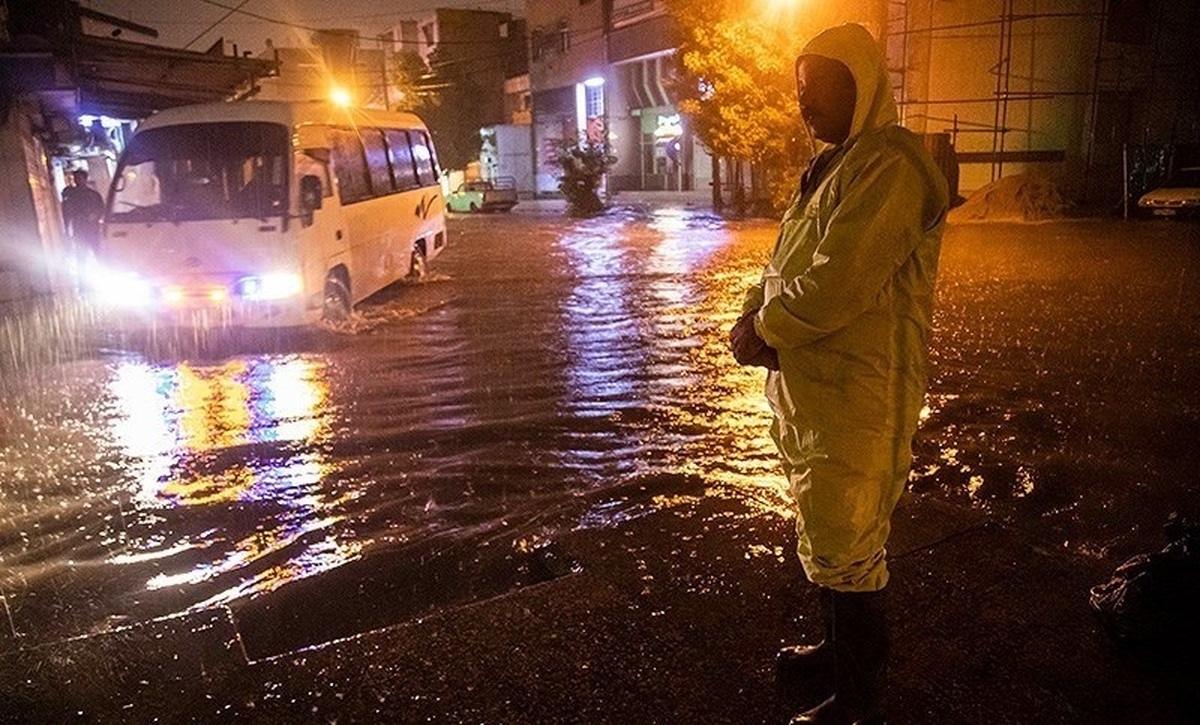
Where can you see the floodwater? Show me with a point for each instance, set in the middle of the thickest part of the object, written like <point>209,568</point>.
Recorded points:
<point>553,376</point>
<point>549,375</point>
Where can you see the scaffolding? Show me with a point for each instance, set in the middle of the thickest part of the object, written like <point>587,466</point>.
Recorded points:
<point>912,31</point>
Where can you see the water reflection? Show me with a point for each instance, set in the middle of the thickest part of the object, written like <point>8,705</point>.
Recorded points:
<point>664,297</point>
<point>234,456</point>
<point>599,322</point>
<point>701,300</point>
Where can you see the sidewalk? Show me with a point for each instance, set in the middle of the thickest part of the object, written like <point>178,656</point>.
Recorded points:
<point>649,199</point>
<point>673,618</point>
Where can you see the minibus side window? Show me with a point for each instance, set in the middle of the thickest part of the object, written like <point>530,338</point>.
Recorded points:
<point>349,165</point>
<point>377,161</point>
<point>424,160</point>
<point>433,157</point>
<point>402,160</point>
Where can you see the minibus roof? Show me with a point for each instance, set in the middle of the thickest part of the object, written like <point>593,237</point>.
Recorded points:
<point>290,114</point>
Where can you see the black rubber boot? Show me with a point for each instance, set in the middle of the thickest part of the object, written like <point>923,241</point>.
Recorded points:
<point>860,636</point>
<point>800,662</point>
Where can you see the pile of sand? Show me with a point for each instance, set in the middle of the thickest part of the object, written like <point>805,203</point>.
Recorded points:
<point>1023,197</point>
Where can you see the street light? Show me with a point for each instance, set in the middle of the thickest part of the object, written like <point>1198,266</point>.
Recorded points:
<point>340,96</point>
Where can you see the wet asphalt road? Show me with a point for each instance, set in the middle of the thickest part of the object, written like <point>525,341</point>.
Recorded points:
<point>428,452</point>
<point>557,376</point>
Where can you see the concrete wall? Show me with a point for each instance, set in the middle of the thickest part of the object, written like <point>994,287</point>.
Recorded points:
<point>553,121</point>
<point>567,46</point>
<point>31,230</point>
<point>1085,77</point>
<point>508,151</point>
<point>584,53</point>
<point>486,48</point>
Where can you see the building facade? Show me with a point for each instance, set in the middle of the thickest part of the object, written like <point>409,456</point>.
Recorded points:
<point>597,70</point>
<point>338,65</point>
<point>1061,87</point>
<point>567,59</point>
<point>651,139</point>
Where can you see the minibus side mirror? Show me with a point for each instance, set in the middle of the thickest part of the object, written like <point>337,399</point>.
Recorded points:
<point>311,193</point>
<point>311,196</point>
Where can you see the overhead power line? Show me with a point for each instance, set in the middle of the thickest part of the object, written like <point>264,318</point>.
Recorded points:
<point>373,38</point>
<point>356,35</point>
<point>222,19</point>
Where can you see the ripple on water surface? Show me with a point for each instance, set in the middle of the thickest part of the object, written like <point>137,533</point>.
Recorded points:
<point>411,456</point>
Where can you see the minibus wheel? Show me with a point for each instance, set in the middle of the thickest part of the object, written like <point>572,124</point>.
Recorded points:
<point>419,267</point>
<point>337,299</point>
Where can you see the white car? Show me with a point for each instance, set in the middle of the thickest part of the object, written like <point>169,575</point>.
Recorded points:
<point>1178,196</point>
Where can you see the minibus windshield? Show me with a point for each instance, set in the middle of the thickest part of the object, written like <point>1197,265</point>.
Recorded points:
<point>226,170</point>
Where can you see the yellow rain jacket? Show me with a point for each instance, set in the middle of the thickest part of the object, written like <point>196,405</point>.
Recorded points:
<point>846,300</point>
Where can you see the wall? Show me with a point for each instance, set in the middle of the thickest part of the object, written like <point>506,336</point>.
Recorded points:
<point>566,46</point>
<point>952,81</point>
<point>508,151</point>
<point>567,41</point>
<point>30,216</point>
<point>553,122</point>
<point>473,47</point>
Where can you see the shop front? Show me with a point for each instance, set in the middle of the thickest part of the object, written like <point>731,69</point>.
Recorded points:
<point>656,150</point>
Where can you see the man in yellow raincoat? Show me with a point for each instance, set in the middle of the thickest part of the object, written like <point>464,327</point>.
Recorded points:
<point>841,318</point>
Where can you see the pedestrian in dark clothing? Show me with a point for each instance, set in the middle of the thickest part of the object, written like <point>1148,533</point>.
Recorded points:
<point>82,209</point>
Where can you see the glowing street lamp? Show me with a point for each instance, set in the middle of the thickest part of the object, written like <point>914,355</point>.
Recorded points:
<point>340,96</point>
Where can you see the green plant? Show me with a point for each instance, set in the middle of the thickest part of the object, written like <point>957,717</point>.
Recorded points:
<point>583,166</point>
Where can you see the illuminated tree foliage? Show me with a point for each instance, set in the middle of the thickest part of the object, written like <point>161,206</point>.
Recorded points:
<point>410,77</point>
<point>734,78</point>
<point>445,96</point>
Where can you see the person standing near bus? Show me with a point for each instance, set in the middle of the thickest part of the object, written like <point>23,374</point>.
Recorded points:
<point>841,319</point>
<point>82,210</point>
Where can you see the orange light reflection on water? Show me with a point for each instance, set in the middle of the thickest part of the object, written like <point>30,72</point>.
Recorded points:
<point>703,305</point>
<point>209,438</point>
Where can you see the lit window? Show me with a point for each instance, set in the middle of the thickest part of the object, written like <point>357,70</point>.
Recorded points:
<point>593,100</point>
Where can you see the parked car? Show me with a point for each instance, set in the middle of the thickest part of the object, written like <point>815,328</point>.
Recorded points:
<point>1178,196</point>
<point>499,194</point>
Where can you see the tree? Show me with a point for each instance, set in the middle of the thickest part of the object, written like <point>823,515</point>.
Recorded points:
<point>734,78</point>
<point>443,94</point>
<point>410,76</point>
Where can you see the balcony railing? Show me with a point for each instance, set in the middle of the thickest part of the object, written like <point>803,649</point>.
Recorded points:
<point>627,13</point>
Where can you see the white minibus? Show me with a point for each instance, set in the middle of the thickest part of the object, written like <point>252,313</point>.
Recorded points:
<point>265,214</point>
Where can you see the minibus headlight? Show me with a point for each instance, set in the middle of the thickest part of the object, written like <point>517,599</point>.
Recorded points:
<point>123,289</point>
<point>270,286</point>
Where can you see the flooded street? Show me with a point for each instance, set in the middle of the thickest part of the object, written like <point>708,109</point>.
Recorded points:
<point>549,375</point>
<point>555,376</point>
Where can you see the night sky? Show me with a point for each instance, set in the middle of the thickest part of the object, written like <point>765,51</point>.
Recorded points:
<point>185,23</point>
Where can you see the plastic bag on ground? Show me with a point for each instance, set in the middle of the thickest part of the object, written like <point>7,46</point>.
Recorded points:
<point>1154,599</point>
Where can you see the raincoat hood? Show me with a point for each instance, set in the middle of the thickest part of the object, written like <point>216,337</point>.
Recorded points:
<point>854,47</point>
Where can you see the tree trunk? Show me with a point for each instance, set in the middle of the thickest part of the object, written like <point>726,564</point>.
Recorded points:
<point>739,191</point>
<point>717,201</point>
<point>755,187</point>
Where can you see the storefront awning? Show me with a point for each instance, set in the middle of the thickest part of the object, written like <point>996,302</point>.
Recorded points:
<point>643,82</point>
